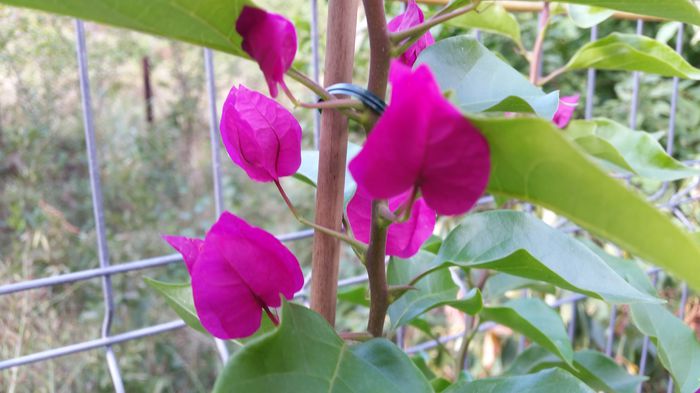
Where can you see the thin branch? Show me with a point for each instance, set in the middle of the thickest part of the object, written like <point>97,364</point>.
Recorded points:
<point>323,94</point>
<point>309,83</point>
<point>536,58</point>
<point>330,232</point>
<point>376,272</point>
<point>466,340</point>
<point>555,74</point>
<point>419,30</point>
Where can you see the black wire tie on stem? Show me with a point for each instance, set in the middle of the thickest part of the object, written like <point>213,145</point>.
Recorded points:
<point>368,99</point>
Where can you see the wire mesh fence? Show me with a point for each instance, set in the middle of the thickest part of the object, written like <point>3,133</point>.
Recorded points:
<point>104,270</point>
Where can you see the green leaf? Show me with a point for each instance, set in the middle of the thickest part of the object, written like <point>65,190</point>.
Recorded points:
<point>680,10</point>
<point>305,355</point>
<point>592,367</point>
<point>585,16</point>
<point>631,52</point>
<point>533,161</point>
<point>535,319</point>
<point>440,384</point>
<point>492,18</point>
<point>519,244</point>
<point>678,348</point>
<point>454,4</point>
<point>179,298</point>
<point>482,81</point>
<point>308,171</point>
<point>499,284</point>
<point>356,295</point>
<point>419,361</point>
<point>553,380</point>
<point>625,268</point>
<point>210,23</point>
<point>628,150</point>
<point>436,290</point>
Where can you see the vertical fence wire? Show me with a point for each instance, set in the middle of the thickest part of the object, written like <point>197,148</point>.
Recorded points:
<point>215,160</point>
<point>590,81</point>
<point>635,85</point>
<point>646,343</point>
<point>674,97</point>
<point>97,202</point>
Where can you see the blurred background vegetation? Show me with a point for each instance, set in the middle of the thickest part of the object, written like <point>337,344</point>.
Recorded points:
<point>157,179</point>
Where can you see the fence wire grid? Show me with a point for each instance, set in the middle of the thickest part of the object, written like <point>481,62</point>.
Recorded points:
<point>106,270</point>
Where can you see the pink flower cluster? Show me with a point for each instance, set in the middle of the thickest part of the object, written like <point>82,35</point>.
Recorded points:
<point>423,156</point>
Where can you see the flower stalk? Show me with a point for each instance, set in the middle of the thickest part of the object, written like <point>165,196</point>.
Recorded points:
<point>418,30</point>
<point>330,232</point>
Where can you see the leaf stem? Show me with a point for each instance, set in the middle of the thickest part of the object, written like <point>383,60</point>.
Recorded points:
<point>466,341</point>
<point>404,212</point>
<point>273,317</point>
<point>322,93</point>
<point>289,94</point>
<point>556,73</point>
<point>330,232</point>
<point>309,83</point>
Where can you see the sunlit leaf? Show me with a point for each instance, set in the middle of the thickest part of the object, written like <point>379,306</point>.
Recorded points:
<point>632,151</point>
<point>481,81</point>
<point>533,161</point>
<point>179,298</point>
<point>631,52</point>
<point>678,348</point>
<point>592,367</point>
<point>492,18</point>
<point>680,10</point>
<point>210,23</point>
<point>519,244</point>
<point>436,290</point>
<point>586,16</point>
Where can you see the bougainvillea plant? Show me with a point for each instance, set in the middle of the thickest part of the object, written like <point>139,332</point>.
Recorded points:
<point>457,199</point>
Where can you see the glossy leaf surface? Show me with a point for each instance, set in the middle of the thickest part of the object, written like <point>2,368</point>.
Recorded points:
<point>632,151</point>
<point>481,81</point>
<point>305,355</point>
<point>553,380</point>
<point>521,245</point>
<point>533,161</point>
<point>631,52</point>
<point>209,23</point>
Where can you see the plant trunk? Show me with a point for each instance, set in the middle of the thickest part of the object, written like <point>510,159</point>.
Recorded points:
<point>340,57</point>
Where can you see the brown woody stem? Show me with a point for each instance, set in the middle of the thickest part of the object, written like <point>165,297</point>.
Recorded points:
<point>340,46</point>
